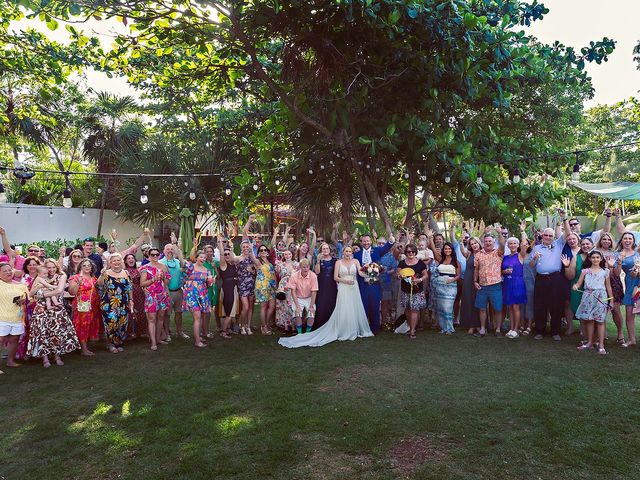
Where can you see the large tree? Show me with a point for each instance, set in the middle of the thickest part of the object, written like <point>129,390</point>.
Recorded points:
<point>365,92</point>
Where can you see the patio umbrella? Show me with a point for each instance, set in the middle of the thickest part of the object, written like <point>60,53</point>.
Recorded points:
<point>187,230</point>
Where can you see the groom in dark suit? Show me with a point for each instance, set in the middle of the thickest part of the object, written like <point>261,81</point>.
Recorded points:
<point>370,292</point>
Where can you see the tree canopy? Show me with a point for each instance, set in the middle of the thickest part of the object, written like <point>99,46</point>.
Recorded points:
<point>355,105</point>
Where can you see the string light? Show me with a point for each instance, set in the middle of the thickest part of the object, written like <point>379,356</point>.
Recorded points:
<point>50,212</point>
<point>479,178</point>
<point>144,197</point>
<point>294,178</point>
<point>406,176</point>
<point>516,176</point>
<point>3,195</point>
<point>310,172</point>
<point>227,189</point>
<point>116,213</point>
<point>277,183</point>
<point>17,210</point>
<point>83,211</point>
<point>255,187</point>
<point>192,194</point>
<point>575,174</point>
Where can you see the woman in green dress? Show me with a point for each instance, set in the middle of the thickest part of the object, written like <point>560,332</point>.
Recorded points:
<point>573,269</point>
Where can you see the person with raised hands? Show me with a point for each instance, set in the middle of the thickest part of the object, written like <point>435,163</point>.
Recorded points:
<point>154,278</point>
<point>487,265</point>
<point>514,288</point>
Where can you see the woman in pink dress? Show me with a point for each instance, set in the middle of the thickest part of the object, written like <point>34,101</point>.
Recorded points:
<point>154,278</point>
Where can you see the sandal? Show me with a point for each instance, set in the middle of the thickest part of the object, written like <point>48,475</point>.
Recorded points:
<point>113,349</point>
<point>153,347</point>
<point>224,334</point>
<point>584,346</point>
<point>627,344</point>
<point>412,336</point>
<point>620,341</point>
<point>200,345</point>
<point>602,351</point>
<point>526,331</point>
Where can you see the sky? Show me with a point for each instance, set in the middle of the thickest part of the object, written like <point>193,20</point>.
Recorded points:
<point>572,22</point>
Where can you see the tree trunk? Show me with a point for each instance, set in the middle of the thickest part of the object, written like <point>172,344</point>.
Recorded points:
<point>365,202</point>
<point>103,202</point>
<point>346,207</point>
<point>411,199</point>
<point>380,206</point>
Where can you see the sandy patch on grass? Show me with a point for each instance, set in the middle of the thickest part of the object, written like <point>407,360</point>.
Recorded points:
<point>411,453</point>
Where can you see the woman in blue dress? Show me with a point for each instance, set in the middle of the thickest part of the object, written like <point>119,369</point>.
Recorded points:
<point>327,287</point>
<point>514,289</point>
<point>627,259</point>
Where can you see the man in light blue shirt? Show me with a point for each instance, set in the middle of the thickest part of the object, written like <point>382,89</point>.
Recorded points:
<point>546,259</point>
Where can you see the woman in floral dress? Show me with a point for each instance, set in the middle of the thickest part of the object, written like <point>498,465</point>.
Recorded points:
<point>265,292</point>
<point>154,278</point>
<point>284,303</point>
<point>117,302</point>
<point>51,331</point>
<point>30,268</point>
<point>138,320</point>
<point>197,280</point>
<point>86,305</point>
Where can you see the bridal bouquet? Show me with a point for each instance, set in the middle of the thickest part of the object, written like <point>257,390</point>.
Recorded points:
<point>373,271</point>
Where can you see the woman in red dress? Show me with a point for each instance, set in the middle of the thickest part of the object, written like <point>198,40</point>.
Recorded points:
<point>86,305</point>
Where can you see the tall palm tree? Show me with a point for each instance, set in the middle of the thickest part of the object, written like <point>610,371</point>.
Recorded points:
<point>113,132</point>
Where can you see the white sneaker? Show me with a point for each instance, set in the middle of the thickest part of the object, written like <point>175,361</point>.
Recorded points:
<point>510,334</point>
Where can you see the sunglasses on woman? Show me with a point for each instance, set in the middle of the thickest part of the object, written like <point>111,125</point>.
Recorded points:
<point>154,254</point>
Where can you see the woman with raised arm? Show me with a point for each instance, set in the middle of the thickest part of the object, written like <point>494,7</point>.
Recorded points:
<point>469,314</point>
<point>413,274</point>
<point>246,278</point>
<point>627,257</point>
<point>154,278</point>
<point>284,302</point>
<point>573,268</point>
<point>229,289</point>
<point>327,286</point>
<point>265,291</point>
<point>86,304</point>
<point>13,298</point>
<point>197,281</point>
<point>606,246</point>
<point>513,286</point>
<point>138,320</point>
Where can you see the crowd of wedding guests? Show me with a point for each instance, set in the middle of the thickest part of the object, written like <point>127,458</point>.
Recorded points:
<point>474,277</point>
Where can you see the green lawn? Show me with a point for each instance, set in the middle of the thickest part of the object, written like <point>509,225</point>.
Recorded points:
<point>438,407</point>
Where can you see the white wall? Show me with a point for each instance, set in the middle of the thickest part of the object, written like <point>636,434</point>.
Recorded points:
<point>34,223</point>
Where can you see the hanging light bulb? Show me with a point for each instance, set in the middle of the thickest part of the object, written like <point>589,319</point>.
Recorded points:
<point>83,211</point>
<point>321,167</point>
<point>50,212</point>
<point>310,172</point>
<point>227,189</point>
<point>99,190</point>
<point>479,179</point>
<point>66,198</point>
<point>144,197</point>
<point>116,213</point>
<point>3,195</point>
<point>277,183</point>
<point>17,210</point>
<point>294,178</point>
<point>516,176</point>
<point>447,177</point>
<point>146,211</point>
<point>192,194</point>
<point>255,187</point>
<point>406,176</point>
<point>186,184</point>
<point>48,191</point>
<point>423,178</point>
<point>575,175</point>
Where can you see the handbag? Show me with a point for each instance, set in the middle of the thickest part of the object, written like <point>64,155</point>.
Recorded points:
<point>84,306</point>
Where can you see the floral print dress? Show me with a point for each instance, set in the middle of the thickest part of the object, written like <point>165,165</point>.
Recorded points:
<point>116,294</point>
<point>87,324</point>
<point>195,290</point>
<point>137,321</point>
<point>265,283</point>
<point>156,294</point>
<point>284,308</point>
<point>51,329</point>
<point>246,278</point>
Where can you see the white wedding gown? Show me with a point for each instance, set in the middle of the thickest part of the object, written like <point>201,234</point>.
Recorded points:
<point>347,322</point>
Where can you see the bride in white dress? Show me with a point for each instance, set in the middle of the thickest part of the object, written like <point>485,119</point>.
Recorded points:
<point>348,320</point>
